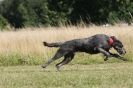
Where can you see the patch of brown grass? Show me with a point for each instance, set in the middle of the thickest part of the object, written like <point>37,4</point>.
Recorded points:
<point>30,40</point>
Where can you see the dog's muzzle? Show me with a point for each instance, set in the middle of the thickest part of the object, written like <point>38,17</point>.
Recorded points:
<point>121,51</point>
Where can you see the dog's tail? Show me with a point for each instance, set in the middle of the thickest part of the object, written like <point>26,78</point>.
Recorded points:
<point>52,44</point>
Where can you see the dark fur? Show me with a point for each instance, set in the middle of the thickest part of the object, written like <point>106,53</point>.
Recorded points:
<point>92,45</point>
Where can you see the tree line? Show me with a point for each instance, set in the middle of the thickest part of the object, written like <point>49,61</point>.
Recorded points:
<point>36,13</point>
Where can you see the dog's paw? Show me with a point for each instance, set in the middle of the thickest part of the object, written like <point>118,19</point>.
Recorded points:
<point>105,59</point>
<point>57,67</point>
<point>125,59</point>
<point>43,66</point>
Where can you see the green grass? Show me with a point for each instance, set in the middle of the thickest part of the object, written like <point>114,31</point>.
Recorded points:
<point>110,75</point>
<point>19,70</point>
<point>14,59</point>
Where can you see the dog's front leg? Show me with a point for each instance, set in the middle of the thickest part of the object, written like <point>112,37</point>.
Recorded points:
<point>118,56</point>
<point>104,52</point>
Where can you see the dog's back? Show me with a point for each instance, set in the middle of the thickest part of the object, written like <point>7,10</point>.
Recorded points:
<point>88,44</point>
<point>82,45</point>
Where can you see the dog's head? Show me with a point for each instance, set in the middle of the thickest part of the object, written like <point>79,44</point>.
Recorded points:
<point>118,46</point>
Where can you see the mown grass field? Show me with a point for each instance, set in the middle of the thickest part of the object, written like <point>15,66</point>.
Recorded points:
<point>114,75</point>
<point>22,53</point>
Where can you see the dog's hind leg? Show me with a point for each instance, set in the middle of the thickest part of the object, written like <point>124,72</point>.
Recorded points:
<point>58,55</point>
<point>67,58</point>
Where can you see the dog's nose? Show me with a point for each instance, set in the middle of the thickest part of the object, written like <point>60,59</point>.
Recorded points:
<point>124,51</point>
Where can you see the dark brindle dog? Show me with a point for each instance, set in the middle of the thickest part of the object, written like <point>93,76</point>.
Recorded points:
<point>99,43</point>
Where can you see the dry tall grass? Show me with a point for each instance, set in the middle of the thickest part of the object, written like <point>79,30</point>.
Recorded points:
<point>30,40</point>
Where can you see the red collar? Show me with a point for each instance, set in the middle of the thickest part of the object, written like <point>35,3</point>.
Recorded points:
<point>110,41</point>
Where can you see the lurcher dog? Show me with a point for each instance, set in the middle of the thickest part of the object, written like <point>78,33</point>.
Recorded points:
<point>99,43</point>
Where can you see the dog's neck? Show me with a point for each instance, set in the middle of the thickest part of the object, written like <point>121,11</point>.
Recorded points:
<point>110,41</point>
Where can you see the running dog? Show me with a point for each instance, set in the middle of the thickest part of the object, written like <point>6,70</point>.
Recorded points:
<point>99,43</point>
